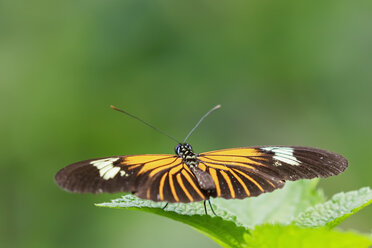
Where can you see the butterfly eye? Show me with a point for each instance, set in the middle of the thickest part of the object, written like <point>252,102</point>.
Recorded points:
<point>189,147</point>
<point>177,149</point>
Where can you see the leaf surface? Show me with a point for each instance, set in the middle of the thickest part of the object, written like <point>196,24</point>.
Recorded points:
<point>337,209</point>
<point>224,229</point>
<point>269,236</point>
<point>280,206</point>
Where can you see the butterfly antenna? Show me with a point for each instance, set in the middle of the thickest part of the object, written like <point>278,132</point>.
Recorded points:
<point>201,119</point>
<point>144,122</point>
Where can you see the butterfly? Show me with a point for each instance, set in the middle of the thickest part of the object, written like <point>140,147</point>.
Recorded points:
<point>187,176</point>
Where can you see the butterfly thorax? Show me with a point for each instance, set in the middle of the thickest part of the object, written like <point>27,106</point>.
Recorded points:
<point>185,152</point>
<point>190,158</point>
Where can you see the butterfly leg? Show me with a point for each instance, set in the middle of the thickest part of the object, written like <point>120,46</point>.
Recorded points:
<point>209,201</point>
<point>165,206</point>
<point>205,207</point>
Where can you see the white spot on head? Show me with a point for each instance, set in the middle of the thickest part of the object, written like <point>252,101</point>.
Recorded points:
<point>122,173</point>
<point>106,167</point>
<point>283,154</point>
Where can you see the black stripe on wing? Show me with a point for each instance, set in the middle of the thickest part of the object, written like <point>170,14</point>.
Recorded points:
<point>172,185</point>
<point>236,182</point>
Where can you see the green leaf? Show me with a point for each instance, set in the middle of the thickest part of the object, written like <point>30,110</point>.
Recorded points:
<point>224,229</point>
<point>230,228</point>
<point>268,236</point>
<point>336,210</point>
<point>227,229</point>
<point>280,206</point>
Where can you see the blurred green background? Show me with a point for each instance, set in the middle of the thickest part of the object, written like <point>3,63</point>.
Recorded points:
<point>287,72</point>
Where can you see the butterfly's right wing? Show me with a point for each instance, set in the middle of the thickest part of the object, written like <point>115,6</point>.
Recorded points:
<point>250,171</point>
<point>154,177</point>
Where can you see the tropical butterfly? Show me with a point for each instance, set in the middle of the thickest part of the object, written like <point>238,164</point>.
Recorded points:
<point>187,176</point>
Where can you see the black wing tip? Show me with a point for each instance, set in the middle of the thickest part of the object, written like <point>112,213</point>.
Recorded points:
<point>67,180</point>
<point>60,179</point>
<point>333,155</point>
<point>339,162</point>
<point>82,177</point>
<point>334,160</point>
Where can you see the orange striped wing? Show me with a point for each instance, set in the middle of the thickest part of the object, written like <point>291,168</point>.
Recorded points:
<point>153,177</point>
<point>250,171</point>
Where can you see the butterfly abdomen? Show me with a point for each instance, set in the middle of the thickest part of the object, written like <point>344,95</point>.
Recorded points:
<point>205,180</point>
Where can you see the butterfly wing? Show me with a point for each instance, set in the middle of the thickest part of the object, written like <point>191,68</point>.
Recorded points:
<point>153,177</point>
<point>236,173</point>
<point>250,171</point>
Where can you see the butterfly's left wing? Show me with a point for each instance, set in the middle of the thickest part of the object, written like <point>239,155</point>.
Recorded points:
<point>250,171</point>
<point>155,177</point>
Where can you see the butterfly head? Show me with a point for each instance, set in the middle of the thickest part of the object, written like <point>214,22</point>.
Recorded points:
<point>183,149</point>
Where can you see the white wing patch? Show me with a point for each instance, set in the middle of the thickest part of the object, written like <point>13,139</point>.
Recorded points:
<point>283,154</point>
<point>106,167</point>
